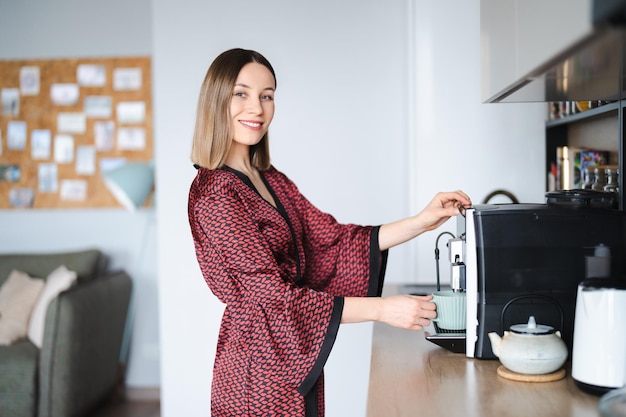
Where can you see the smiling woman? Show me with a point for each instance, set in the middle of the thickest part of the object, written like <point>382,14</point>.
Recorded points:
<point>288,273</point>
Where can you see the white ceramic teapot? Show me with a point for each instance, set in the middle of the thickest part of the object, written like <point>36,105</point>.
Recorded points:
<point>530,348</point>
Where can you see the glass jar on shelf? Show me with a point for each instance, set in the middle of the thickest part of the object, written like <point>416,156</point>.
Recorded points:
<point>600,181</point>
<point>589,177</point>
<point>612,174</point>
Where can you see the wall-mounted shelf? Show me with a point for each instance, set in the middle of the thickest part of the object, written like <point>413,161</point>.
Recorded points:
<point>558,134</point>
<point>585,115</point>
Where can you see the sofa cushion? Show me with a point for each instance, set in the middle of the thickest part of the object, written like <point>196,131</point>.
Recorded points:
<point>18,295</point>
<point>88,263</point>
<point>18,384</point>
<point>59,280</point>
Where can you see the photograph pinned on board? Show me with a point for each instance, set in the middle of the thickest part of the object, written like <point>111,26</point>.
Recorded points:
<point>16,135</point>
<point>127,79</point>
<point>131,139</point>
<point>131,112</point>
<point>98,106</point>
<point>64,94</point>
<point>40,144</point>
<point>10,173</point>
<point>71,123</point>
<point>48,178</point>
<point>91,75</point>
<point>73,190</point>
<point>21,197</point>
<point>109,164</point>
<point>86,160</point>
<point>63,149</point>
<point>104,135</point>
<point>29,81</point>
<point>10,102</point>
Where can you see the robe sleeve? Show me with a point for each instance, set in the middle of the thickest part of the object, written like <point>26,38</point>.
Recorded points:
<point>341,259</point>
<point>278,324</point>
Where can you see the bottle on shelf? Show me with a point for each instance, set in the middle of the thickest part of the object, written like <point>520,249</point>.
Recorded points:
<point>611,179</point>
<point>600,181</point>
<point>590,177</point>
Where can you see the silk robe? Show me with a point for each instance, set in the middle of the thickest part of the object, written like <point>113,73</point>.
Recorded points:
<point>282,273</point>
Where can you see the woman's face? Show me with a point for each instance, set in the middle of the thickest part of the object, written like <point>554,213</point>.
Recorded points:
<point>252,103</point>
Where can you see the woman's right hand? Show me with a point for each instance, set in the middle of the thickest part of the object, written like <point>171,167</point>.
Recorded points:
<point>411,312</point>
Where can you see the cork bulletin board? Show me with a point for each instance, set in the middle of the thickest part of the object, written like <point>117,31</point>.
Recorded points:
<point>65,121</point>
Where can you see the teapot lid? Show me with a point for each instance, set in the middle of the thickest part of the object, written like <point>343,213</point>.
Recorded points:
<point>532,328</point>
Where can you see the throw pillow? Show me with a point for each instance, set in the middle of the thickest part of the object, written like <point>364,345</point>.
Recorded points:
<point>18,295</point>
<point>58,281</point>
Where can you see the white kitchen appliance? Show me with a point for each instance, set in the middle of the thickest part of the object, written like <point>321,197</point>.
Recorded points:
<point>599,348</point>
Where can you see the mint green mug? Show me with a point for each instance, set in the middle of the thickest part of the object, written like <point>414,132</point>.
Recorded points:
<point>451,310</point>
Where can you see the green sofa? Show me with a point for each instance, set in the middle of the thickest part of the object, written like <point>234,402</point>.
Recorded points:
<point>78,365</point>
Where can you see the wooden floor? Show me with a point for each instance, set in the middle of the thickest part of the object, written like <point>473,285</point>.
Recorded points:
<point>130,409</point>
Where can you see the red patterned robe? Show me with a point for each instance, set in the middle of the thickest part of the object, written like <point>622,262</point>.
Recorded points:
<point>282,273</point>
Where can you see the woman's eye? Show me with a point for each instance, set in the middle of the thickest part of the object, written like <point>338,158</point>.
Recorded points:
<point>239,94</point>
<point>268,98</point>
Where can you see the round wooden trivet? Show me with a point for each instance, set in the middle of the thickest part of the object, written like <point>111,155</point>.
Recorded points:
<point>508,374</point>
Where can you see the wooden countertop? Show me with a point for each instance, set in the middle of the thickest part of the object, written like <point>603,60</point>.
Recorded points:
<point>411,376</point>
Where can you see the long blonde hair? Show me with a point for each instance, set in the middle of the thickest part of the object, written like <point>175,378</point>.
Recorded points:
<point>212,135</point>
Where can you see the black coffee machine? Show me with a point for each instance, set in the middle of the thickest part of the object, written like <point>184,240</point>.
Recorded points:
<point>518,260</point>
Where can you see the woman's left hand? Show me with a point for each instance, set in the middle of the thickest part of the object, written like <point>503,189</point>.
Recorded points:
<point>443,206</point>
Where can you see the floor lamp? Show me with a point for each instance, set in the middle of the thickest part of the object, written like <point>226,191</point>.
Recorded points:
<point>131,184</point>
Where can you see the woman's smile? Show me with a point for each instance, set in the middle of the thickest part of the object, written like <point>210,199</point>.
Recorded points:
<point>251,124</point>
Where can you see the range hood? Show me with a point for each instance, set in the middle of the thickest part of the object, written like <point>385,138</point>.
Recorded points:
<point>593,68</point>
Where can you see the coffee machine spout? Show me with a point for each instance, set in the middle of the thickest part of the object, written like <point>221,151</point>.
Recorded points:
<point>457,278</point>
<point>457,264</point>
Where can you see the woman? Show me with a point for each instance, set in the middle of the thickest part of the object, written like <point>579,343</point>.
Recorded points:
<point>287,273</point>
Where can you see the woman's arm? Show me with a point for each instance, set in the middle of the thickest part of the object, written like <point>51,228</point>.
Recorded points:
<point>437,212</point>
<point>406,311</point>
<point>411,312</point>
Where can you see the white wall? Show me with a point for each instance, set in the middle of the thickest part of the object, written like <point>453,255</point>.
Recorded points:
<point>340,132</point>
<point>38,29</point>
<point>461,142</point>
